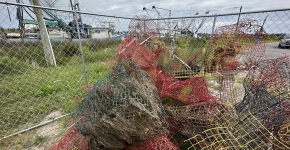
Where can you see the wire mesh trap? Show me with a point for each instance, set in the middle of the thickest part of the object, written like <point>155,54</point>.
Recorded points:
<point>267,93</point>
<point>161,87</point>
<point>243,133</point>
<point>121,109</point>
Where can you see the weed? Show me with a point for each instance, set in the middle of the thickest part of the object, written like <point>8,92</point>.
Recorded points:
<point>45,90</point>
<point>12,65</point>
<point>39,140</point>
<point>96,45</point>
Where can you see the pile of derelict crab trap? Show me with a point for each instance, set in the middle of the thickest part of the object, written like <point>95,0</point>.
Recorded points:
<point>223,97</point>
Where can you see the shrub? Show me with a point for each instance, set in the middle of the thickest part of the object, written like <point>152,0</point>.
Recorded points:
<point>96,44</point>
<point>10,65</point>
<point>66,48</point>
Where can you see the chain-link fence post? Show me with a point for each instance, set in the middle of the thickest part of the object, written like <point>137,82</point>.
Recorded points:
<point>81,48</point>
<point>210,45</point>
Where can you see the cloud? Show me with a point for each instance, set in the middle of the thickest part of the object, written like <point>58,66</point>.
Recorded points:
<point>179,8</point>
<point>126,8</point>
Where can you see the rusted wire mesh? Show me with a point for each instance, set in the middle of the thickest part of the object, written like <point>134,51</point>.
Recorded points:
<point>142,27</point>
<point>267,93</point>
<point>121,109</point>
<point>261,119</point>
<point>193,119</point>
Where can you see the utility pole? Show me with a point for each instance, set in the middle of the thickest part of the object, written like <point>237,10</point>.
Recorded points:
<point>48,51</point>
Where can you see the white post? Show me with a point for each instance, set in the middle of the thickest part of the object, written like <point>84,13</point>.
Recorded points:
<point>48,51</point>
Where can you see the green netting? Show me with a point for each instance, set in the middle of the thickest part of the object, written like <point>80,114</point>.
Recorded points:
<point>121,109</point>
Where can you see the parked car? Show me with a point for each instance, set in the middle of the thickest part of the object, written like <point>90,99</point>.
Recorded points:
<point>285,41</point>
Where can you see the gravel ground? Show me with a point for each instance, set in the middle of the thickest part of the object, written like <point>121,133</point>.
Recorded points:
<point>272,51</point>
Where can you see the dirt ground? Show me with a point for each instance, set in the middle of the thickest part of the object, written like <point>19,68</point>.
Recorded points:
<point>46,135</point>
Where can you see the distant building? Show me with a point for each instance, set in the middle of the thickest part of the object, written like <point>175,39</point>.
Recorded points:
<point>30,26</point>
<point>99,32</point>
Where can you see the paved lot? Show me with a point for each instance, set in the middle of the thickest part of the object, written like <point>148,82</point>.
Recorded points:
<point>272,51</point>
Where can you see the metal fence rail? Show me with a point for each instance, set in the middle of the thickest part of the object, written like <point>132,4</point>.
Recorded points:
<point>32,87</point>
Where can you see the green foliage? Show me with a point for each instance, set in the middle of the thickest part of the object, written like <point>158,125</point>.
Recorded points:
<point>10,66</point>
<point>26,52</point>
<point>168,100</point>
<point>46,90</point>
<point>31,96</point>
<point>191,42</point>
<point>66,48</point>
<point>167,40</point>
<point>275,37</point>
<point>64,51</point>
<point>96,44</point>
<point>39,139</point>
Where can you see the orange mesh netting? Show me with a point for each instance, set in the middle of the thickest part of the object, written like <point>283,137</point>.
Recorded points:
<point>72,139</point>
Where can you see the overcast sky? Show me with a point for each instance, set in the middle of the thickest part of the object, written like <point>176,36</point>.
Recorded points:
<point>126,8</point>
<point>276,22</point>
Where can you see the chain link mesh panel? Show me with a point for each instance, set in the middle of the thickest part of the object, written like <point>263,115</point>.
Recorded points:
<point>199,66</point>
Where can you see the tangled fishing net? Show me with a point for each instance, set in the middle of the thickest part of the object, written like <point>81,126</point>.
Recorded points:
<point>148,99</point>
<point>188,91</point>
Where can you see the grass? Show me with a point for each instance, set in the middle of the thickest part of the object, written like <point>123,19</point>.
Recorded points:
<point>12,65</point>
<point>35,94</point>
<point>30,90</point>
<point>39,139</point>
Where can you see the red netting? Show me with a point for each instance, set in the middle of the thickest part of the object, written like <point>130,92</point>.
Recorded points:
<point>189,91</point>
<point>140,54</point>
<point>267,73</point>
<point>72,139</point>
<point>158,143</point>
<point>233,65</point>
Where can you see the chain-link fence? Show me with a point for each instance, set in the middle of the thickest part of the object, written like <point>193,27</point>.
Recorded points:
<point>49,62</point>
